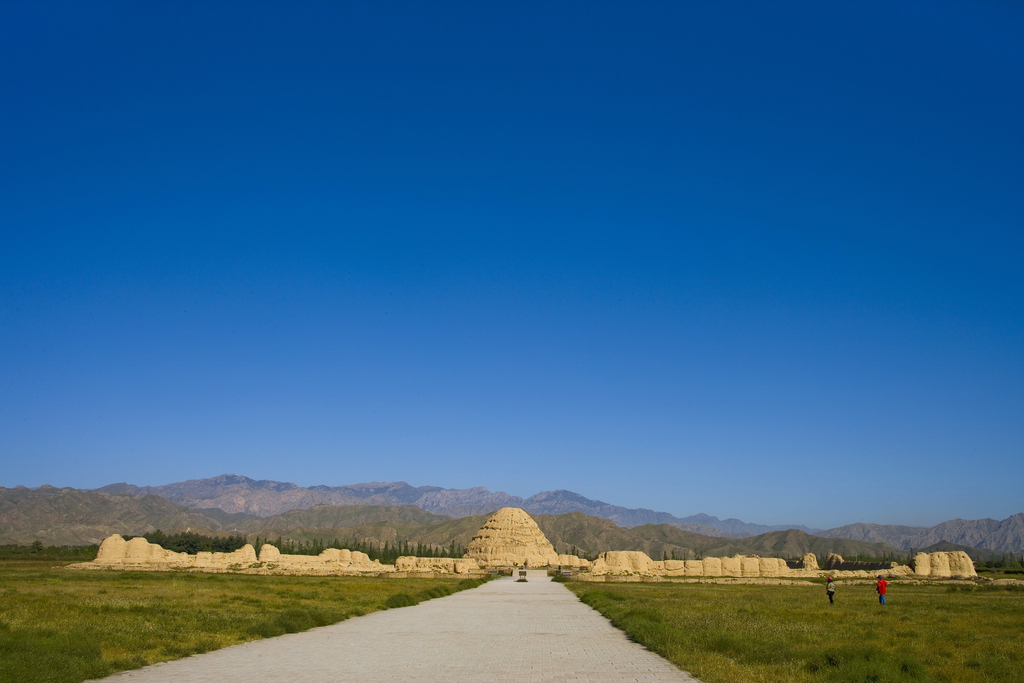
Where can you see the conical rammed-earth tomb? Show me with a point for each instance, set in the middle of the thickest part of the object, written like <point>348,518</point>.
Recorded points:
<point>509,537</point>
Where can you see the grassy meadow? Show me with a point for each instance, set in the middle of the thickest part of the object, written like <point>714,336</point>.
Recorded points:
<point>64,626</point>
<point>745,633</point>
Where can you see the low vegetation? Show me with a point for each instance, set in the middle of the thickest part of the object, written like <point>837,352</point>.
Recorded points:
<point>387,552</point>
<point>1006,564</point>
<point>192,543</point>
<point>746,633</point>
<point>106,621</point>
<point>37,551</point>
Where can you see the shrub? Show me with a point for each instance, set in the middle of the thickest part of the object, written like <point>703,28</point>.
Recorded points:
<point>435,592</point>
<point>400,600</point>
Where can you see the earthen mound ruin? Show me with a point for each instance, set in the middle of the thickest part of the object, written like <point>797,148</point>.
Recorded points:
<point>138,553</point>
<point>941,565</point>
<point>511,537</point>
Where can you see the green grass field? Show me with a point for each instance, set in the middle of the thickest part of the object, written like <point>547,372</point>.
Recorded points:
<point>741,633</point>
<point>64,626</point>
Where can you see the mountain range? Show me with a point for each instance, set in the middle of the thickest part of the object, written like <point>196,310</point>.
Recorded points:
<point>1005,536</point>
<point>73,517</point>
<point>263,498</point>
<point>231,502</point>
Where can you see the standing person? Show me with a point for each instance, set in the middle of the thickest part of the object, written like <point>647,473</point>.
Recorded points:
<point>830,590</point>
<point>880,589</point>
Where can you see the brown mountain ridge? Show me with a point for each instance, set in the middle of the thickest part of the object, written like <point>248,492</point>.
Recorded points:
<point>73,517</point>
<point>78,517</point>
<point>264,498</point>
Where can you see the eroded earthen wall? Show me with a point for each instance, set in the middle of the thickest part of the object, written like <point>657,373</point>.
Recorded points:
<point>953,564</point>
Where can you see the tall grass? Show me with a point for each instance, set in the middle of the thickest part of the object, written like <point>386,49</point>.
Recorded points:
<point>766,634</point>
<point>65,626</point>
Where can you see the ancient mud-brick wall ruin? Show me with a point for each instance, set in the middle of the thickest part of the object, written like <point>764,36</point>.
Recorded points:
<point>939,565</point>
<point>332,560</point>
<point>511,537</point>
<point>636,562</point>
<point>140,554</point>
<point>933,565</point>
<point>437,565</point>
<point>955,564</point>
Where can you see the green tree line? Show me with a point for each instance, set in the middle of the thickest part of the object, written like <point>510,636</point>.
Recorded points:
<point>584,553</point>
<point>37,551</point>
<point>386,553</point>
<point>1008,562</point>
<point>192,543</point>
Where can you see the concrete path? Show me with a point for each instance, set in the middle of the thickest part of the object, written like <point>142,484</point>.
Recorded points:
<point>532,632</point>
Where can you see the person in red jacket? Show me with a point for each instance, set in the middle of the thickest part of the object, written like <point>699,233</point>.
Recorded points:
<point>880,588</point>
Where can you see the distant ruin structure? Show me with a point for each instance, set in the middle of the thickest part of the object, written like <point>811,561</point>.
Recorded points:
<point>508,538</point>
<point>954,564</point>
<point>933,565</point>
<point>809,561</point>
<point>511,537</point>
<point>437,565</point>
<point>141,555</point>
<point>636,562</point>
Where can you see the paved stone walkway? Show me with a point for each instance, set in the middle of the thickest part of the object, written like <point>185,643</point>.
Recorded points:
<point>503,631</point>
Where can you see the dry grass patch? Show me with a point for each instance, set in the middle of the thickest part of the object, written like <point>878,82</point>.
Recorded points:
<point>64,626</point>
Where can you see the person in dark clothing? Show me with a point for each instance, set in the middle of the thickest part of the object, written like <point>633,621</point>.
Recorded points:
<point>880,589</point>
<point>830,590</point>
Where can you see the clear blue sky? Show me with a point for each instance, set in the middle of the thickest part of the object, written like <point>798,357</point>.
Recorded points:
<point>756,260</point>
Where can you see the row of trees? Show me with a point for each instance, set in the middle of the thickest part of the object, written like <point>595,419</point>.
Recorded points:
<point>37,551</point>
<point>584,553</point>
<point>901,558</point>
<point>898,557</point>
<point>386,553</point>
<point>1009,561</point>
<point>588,554</point>
<point>677,556</point>
<point>192,543</point>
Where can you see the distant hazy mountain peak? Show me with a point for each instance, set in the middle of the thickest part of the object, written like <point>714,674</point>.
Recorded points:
<point>990,534</point>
